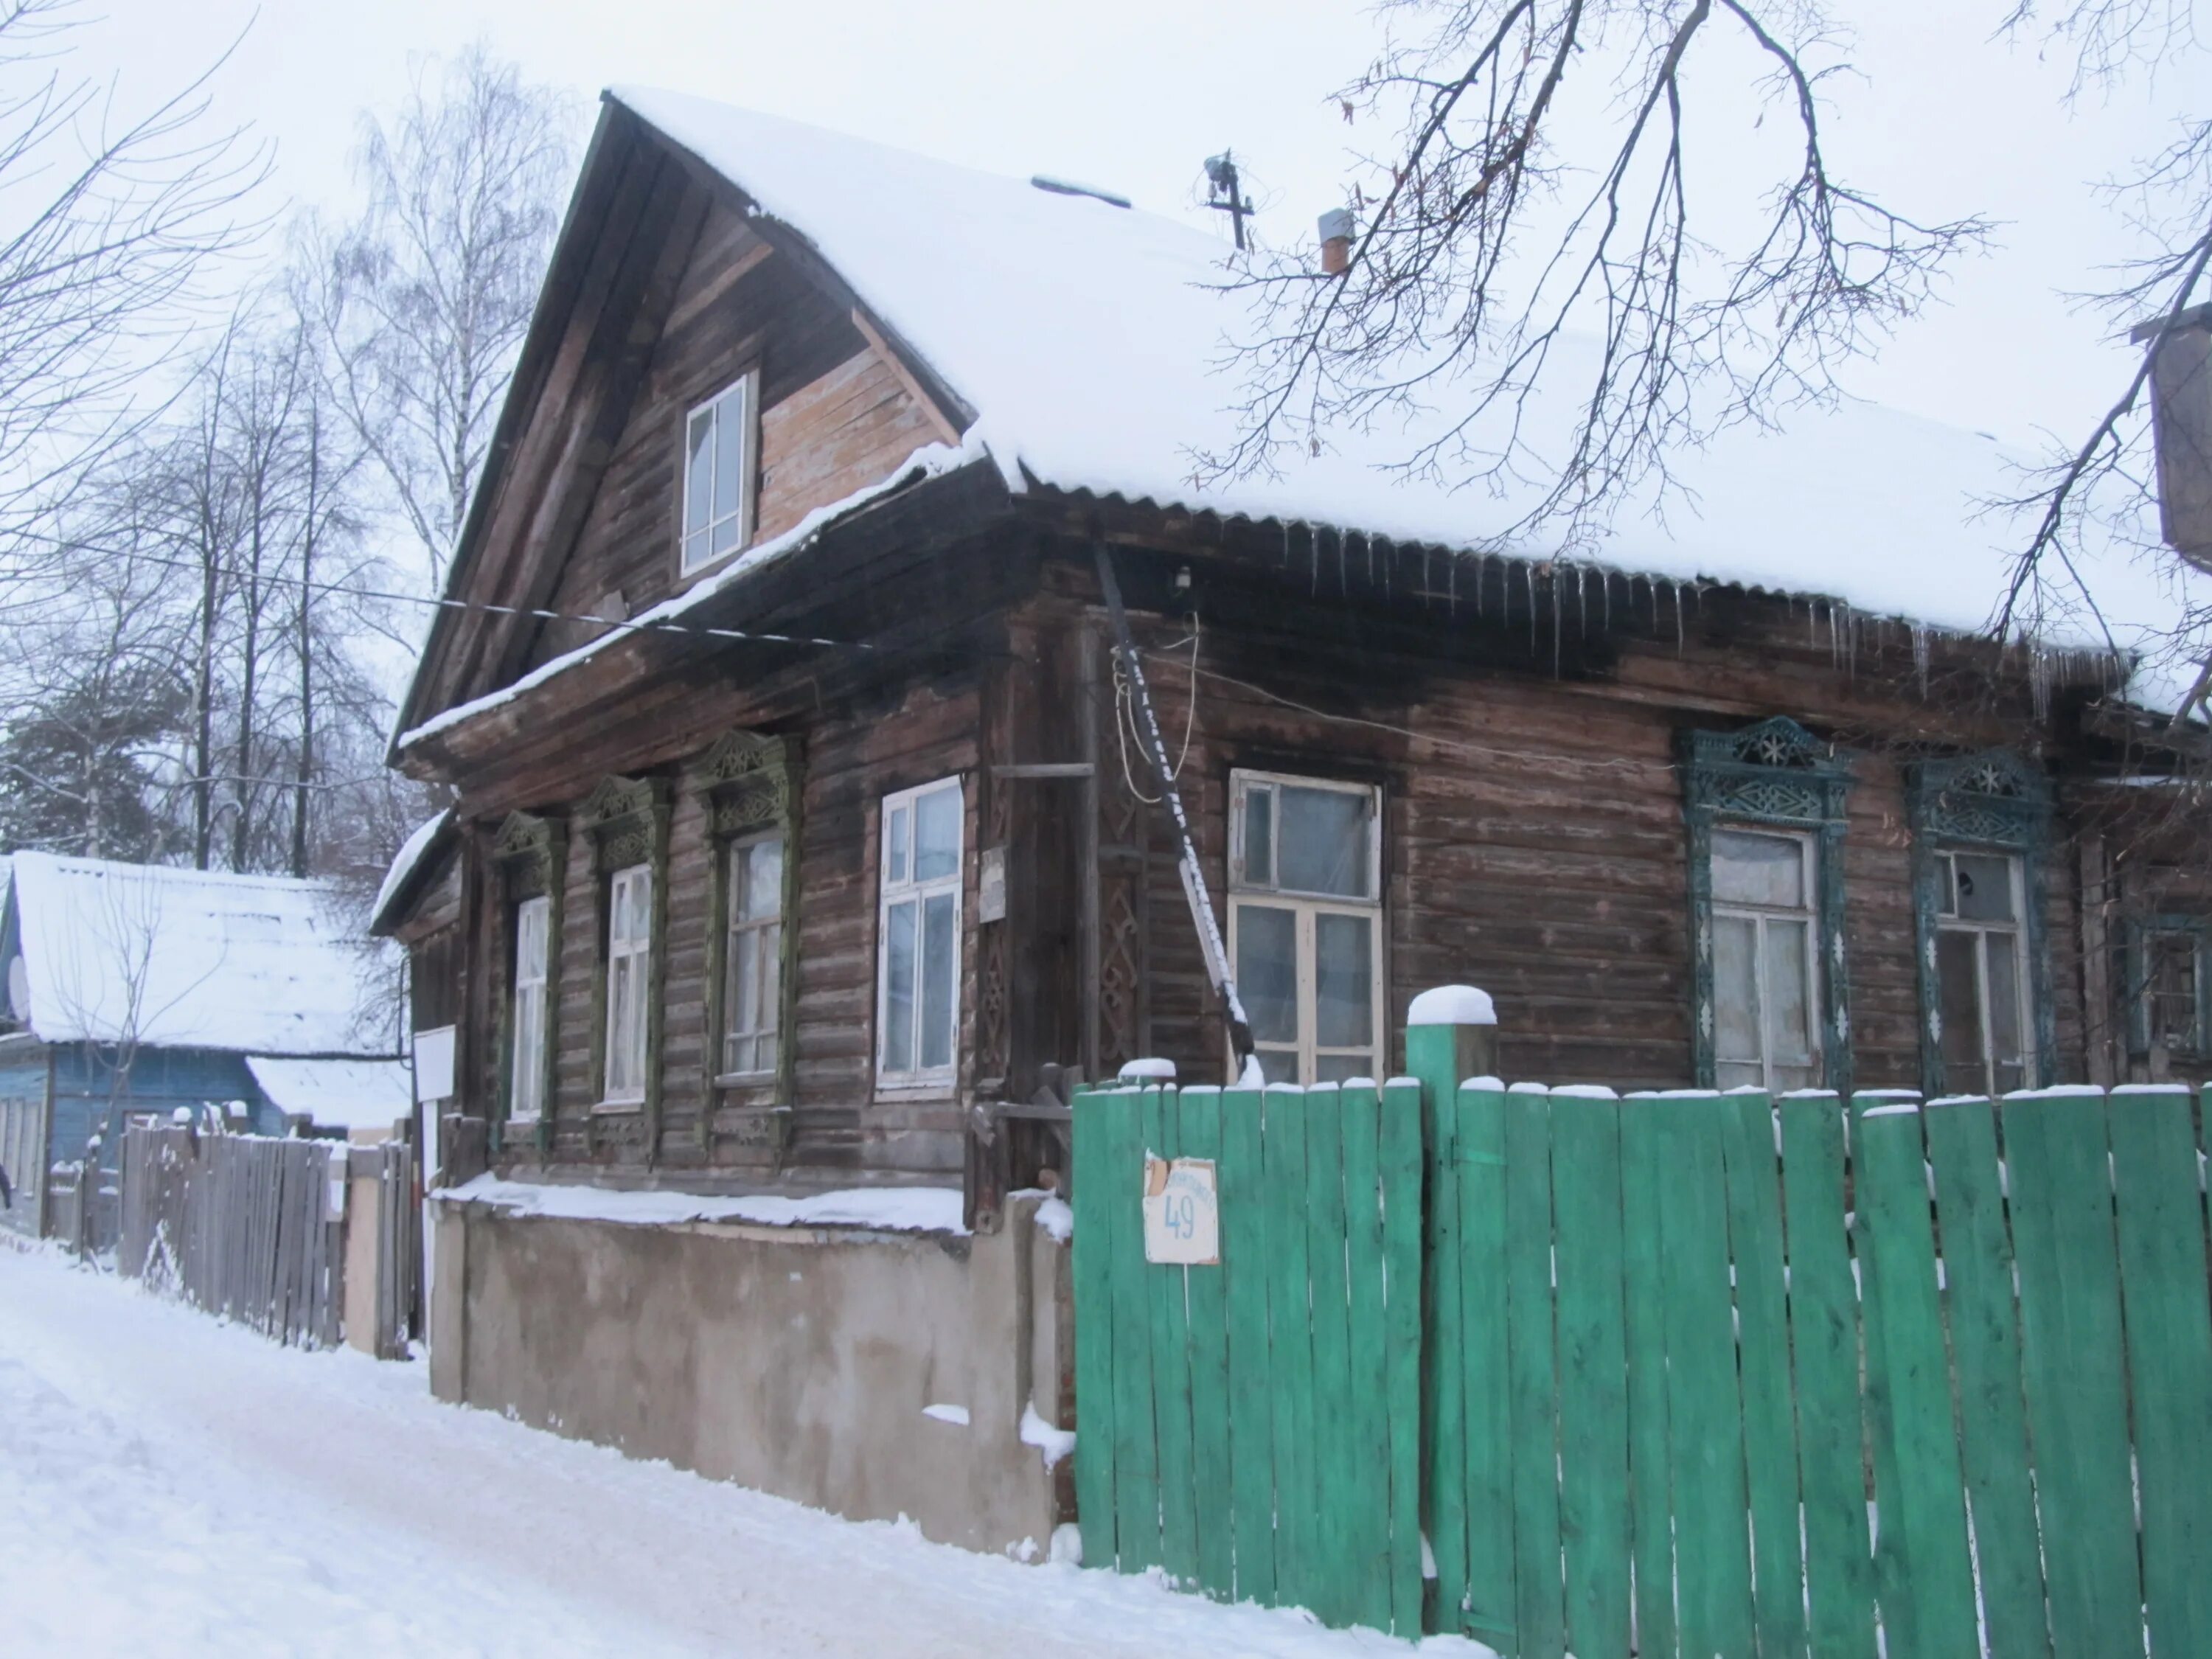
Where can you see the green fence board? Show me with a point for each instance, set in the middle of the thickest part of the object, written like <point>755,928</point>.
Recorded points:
<point>1366,1543</point>
<point>1291,1344</point>
<point>1539,1616</point>
<point>1430,1054</point>
<point>1136,1446</point>
<point>1171,1369</point>
<point>2056,1152</point>
<point>1199,1136</point>
<point>1704,1411</point>
<point>1650,1496</point>
<point>1594,1506</point>
<point>1243,1194</point>
<point>1984,1325</point>
<point>2163,1277</point>
<point>1824,1332</point>
<point>1399,1156</point>
<point>1923,1576</point>
<point>1091,1270</point>
<point>1484,1376</point>
<point>1770,1435</point>
<point>1336,1480</point>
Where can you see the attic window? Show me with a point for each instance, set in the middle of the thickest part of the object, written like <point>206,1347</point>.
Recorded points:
<point>718,474</point>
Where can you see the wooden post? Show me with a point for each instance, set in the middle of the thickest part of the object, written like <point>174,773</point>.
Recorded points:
<point>1451,1035</point>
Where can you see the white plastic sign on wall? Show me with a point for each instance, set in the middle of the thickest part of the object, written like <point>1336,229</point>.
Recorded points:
<point>1182,1214</point>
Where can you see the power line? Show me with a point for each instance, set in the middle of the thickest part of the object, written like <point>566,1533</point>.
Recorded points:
<point>612,623</point>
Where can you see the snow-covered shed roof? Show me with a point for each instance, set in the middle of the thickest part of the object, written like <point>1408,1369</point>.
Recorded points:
<point>1090,341</point>
<point>337,1094</point>
<point>186,958</point>
<point>408,864</point>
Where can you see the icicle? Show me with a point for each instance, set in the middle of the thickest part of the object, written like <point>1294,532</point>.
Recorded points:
<point>1529,582</point>
<point>1812,622</point>
<point>1389,551</point>
<point>1428,570</point>
<point>1286,544</point>
<point>1605,587</point>
<point>1921,652</point>
<point>1652,582</point>
<point>1341,587</point>
<point>1370,540</point>
<point>1451,579</point>
<point>2038,680</point>
<point>1681,631</point>
<point>1582,601</point>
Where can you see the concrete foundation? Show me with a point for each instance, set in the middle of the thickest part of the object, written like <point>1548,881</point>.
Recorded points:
<point>799,1361</point>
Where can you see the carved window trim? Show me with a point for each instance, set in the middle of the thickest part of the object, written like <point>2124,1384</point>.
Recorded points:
<point>626,823</point>
<point>749,782</point>
<point>1992,801</point>
<point>1771,775</point>
<point>531,855</point>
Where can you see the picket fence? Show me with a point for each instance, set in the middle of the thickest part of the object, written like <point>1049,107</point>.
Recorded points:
<point>247,1227</point>
<point>1693,1374</point>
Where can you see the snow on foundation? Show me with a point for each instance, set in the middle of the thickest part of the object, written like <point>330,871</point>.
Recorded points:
<point>880,1209</point>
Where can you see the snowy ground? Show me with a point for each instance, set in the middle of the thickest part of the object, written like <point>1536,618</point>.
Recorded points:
<point>171,1486</point>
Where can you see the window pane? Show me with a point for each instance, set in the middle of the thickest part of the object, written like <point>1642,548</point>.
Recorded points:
<point>529,1050</point>
<point>1324,842</point>
<point>898,987</point>
<point>621,998</point>
<point>530,924</point>
<point>760,893</point>
<point>936,834</point>
<point>1344,981</point>
<point>1739,1075</point>
<point>939,950</point>
<point>2171,989</point>
<point>769,946</point>
<point>1276,1065</point>
<point>1763,870</point>
<point>1985,886</point>
<point>2007,1046</point>
<point>699,470</point>
<point>895,844</point>
<point>727,534</point>
<point>730,424</point>
<point>1260,836</point>
<point>1789,997</point>
<point>1338,1068</point>
<point>1735,990</point>
<point>1959,1001</point>
<point>1267,973</point>
<point>745,982</point>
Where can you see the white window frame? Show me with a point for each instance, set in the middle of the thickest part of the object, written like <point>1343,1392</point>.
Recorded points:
<point>738,934</point>
<point>1258,888</point>
<point>1947,921</point>
<point>740,400</point>
<point>893,890</point>
<point>636,952</point>
<point>526,1094</point>
<point>1808,911</point>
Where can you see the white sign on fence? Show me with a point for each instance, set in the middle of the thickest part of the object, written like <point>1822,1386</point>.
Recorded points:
<point>1182,1212</point>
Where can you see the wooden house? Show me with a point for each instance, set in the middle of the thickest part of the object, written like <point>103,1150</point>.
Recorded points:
<point>803,825</point>
<point>135,991</point>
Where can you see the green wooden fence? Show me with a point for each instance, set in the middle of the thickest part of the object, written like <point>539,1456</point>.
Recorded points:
<point>1251,1425</point>
<point>1692,1373</point>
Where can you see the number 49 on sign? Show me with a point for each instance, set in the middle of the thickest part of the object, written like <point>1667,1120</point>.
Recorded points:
<point>1183,1216</point>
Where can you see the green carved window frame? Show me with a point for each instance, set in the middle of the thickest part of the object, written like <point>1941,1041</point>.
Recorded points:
<point>750,784</point>
<point>626,820</point>
<point>1995,801</point>
<point>1773,775</point>
<point>2137,937</point>
<point>531,855</point>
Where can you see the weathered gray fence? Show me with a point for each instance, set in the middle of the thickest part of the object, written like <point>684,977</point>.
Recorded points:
<point>253,1228</point>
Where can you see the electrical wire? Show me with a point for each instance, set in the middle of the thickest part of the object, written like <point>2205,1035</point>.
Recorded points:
<point>1125,718</point>
<point>278,579</point>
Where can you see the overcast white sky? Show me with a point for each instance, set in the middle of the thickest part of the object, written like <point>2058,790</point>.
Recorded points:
<point>1134,93</point>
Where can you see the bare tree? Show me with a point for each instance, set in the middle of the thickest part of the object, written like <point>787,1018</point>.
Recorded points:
<point>108,221</point>
<point>423,302</point>
<point>1488,240</point>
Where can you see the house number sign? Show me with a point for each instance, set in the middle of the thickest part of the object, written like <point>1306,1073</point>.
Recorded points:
<point>1183,1216</point>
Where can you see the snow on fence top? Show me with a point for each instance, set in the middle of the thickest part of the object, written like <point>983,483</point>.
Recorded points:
<point>164,958</point>
<point>1091,342</point>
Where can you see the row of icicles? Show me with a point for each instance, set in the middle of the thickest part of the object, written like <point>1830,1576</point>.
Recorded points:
<point>1849,631</point>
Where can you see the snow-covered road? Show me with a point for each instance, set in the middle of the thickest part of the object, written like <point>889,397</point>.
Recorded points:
<point>171,1486</point>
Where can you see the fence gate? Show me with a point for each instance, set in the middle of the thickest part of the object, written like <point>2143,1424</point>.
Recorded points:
<point>1759,1411</point>
<point>1250,1423</point>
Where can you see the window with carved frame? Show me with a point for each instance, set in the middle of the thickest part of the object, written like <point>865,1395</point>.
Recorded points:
<point>2169,990</point>
<point>530,856</point>
<point>918,922</point>
<point>1981,826</point>
<point>1765,807</point>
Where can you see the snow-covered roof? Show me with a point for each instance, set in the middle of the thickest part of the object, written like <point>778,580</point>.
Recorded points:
<point>1090,341</point>
<point>187,958</point>
<point>337,1094</point>
<point>406,862</point>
